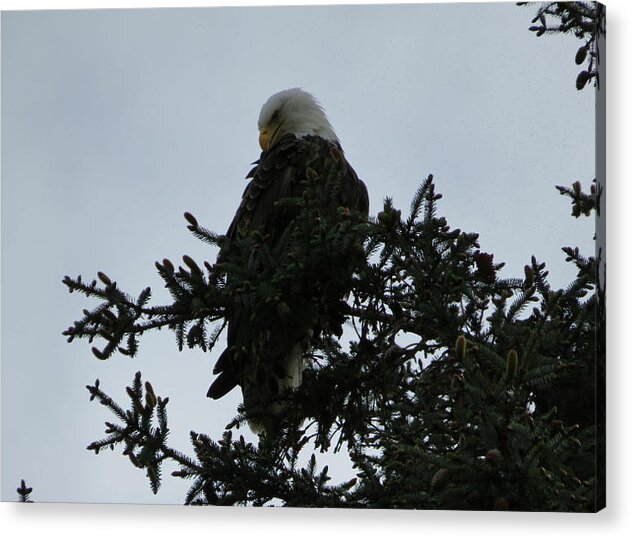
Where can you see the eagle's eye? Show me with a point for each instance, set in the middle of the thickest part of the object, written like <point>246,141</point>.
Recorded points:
<point>275,115</point>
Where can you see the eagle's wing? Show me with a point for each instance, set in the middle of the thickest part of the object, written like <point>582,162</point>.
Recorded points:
<point>274,177</point>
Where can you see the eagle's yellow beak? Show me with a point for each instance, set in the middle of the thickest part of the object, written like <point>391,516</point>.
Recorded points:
<point>268,133</point>
<point>265,137</point>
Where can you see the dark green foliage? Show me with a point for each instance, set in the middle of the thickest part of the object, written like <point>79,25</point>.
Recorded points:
<point>120,319</point>
<point>585,20</point>
<point>459,389</point>
<point>144,443</point>
<point>24,493</point>
<point>226,472</point>
<point>583,203</point>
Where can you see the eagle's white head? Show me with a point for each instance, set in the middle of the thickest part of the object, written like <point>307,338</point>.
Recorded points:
<point>292,111</point>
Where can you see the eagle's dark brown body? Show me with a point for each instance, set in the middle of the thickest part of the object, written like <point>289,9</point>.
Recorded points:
<point>279,173</point>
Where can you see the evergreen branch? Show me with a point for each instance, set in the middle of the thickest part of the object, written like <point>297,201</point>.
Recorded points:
<point>202,233</point>
<point>24,493</point>
<point>144,445</point>
<point>585,20</point>
<point>451,394</point>
<point>582,203</point>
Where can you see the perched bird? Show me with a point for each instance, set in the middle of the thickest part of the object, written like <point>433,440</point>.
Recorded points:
<point>295,135</point>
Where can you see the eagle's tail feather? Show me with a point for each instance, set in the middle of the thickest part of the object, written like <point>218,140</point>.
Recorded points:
<point>221,386</point>
<point>260,400</point>
<point>226,380</point>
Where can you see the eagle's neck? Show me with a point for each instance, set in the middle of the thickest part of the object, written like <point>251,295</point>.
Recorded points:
<point>312,125</point>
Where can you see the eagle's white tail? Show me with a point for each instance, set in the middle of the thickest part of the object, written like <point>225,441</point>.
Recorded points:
<point>259,399</point>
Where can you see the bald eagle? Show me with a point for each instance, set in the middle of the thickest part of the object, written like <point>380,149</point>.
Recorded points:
<point>295,135</point>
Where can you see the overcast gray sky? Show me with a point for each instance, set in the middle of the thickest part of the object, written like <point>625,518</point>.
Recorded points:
<point>116,122</point>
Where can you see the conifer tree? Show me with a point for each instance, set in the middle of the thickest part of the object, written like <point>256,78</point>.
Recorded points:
<point>460,387</point>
